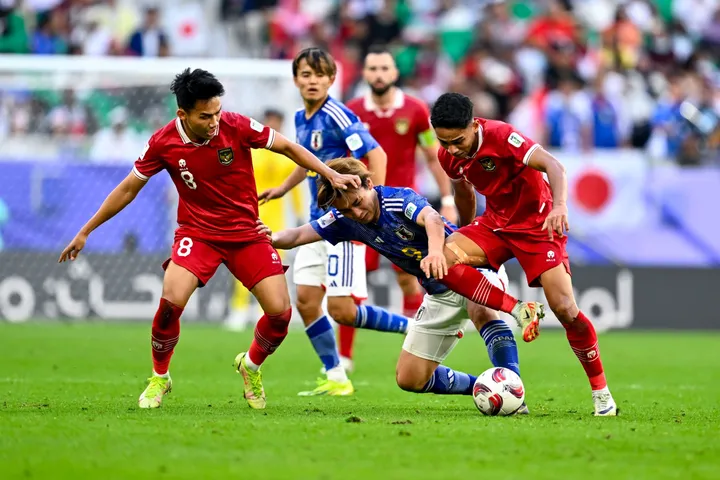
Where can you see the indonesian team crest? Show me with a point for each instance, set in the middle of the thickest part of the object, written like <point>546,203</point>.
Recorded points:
<point>316,141</point>
<point>402,126</point>
<point>487,163</point>
<point>226,156</point>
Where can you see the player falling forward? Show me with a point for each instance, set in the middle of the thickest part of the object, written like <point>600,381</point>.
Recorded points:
<point>404,228</point>
<point>525,218</point>
<point>207,154</point>
<point>401,124</point>
<point>326,127</point>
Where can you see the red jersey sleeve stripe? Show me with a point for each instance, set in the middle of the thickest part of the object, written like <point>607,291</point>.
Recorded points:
<point>271,138</point>
<point>530,151</point>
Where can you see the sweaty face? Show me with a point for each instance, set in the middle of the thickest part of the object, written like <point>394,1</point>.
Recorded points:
<point>380,72</point>
<point>313,85</point>
<point>360,206</point>
<point>459,142</point>
<point>203,120</point>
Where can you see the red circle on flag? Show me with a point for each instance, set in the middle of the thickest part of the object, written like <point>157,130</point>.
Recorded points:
<point>592,191</point>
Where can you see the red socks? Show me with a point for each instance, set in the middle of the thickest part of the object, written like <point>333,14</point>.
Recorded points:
<point>270,332</point>
<point>346,340</point>
<point>411,304</point>
<point>583,340</point>
<point>165,335</point>
<point>473,285</point>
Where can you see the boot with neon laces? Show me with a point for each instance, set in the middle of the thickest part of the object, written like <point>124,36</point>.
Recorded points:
<point>335,384</point>
<point>605,405</point>
<point>528,316</point>
<point>252,381</point>
<point>158,387</point>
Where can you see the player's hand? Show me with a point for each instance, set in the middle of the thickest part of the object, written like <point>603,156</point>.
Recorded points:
<point>450,214</point>
<point>434,265</point>
<point>557,221</point>
<point>263,229</point>
<point>343,181</point>
<point>73,249</point>
<point>270,194</point>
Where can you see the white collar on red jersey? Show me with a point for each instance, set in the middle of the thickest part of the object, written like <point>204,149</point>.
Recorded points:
<point>398,103</point>
<point>480,140</point>
<point>186,139</point>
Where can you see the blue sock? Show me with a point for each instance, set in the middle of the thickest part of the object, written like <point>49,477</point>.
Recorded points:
<point>322,337</point>
<point>501,345</point>
<point>376,318</point>
<point>446,381</point>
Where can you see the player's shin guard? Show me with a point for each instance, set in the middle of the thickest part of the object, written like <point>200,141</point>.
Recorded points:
<point>165,335</point>
<point>346,339</point>
<point>472,284</point>
<point>376,318</point>
<point>270,331</point>
<point>501,345</point>
<point>446,381</point>
<point>411,304</point>
<point>583,340</point>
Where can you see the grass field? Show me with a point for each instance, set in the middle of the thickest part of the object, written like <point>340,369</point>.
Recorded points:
<point>68,409</point>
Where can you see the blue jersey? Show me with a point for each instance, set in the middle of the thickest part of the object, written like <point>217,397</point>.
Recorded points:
<point>395,235</point>
<point>332,132</point>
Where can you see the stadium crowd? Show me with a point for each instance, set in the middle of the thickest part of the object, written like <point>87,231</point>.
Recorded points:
<point>574,74</point>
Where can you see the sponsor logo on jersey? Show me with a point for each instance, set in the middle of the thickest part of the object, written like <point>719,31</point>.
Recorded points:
<point>410,210</point>
<point>226,156</point>
<point>550,256</point>
<point>182,163</point>
<point>316,141</point>
<point>402,126</point>
<point>255,125</point>
<point>354,142</point>
<point>487,163</point>
<point>404,233</point>
<point>515,139</point>
<point>326,219</point>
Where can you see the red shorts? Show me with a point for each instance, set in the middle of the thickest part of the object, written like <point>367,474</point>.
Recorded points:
<point>372,261</point>
<point>249,262</point>
<point>535,252</point>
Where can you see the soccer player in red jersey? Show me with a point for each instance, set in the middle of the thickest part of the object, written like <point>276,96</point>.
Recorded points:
<point>207,154</point>
<point>400,123</point>
<point>526,218</point>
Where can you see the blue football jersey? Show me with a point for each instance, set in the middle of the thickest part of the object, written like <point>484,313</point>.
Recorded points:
<point>332,132</point>
<point>396,234</point>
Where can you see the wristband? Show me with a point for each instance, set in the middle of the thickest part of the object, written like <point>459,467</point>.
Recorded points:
<point>448,201</point>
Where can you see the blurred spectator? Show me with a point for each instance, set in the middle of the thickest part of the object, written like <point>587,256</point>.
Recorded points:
<point>13,35</point>
<point>91,36</point>
<point>116,143</point>
<point>71,117</point>
<point>51,35</point>
<point>569,115</point>
<point>149,40</point>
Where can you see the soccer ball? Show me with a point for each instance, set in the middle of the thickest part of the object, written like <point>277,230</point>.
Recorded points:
<point>498,391</point>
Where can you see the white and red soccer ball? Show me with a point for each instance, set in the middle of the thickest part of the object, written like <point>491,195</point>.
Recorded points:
<point>498,391</point>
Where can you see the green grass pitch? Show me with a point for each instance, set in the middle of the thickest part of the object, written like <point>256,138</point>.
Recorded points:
<point>68,409</point>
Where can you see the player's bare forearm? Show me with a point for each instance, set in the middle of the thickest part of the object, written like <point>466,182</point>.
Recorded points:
<point>117,200</point>
<point>434,227</point>
<point>443,181</point>
<point>301,156</point>
<point>295,237</point>
<point>464,201</point>
<point>542,161</point>
<point>377,164</point>
<point>297,176</point>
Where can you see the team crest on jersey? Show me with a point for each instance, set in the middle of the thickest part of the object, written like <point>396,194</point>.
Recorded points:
<point>404,233</point>
<point>316,141</point>
<point>402,126</point>
<point>226,156</point>
<point>487,163</point>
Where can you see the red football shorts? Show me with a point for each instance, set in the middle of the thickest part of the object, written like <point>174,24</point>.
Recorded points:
<point>535,252</point>
<point>372,261</point>
<point>249,262</point>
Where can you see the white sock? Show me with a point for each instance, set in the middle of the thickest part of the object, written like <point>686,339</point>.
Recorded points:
<point>602,390</point>
<point>250,364</point>
<point>337,374</point>
<point>164,375</point>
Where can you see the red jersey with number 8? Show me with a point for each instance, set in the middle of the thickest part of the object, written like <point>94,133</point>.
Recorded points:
<point>214,179</point>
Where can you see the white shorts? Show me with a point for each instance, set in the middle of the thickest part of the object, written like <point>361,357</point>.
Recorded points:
<point>339,269</point>
<point>441,319</point>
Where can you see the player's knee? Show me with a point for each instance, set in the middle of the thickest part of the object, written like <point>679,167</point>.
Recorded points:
<point>343,313</point>
<point>308,308</point>
<point>410,381</point>
<point>564,307</point>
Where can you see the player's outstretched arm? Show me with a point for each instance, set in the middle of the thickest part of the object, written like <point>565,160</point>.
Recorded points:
<point>557,219</point>
<point>377,164</point>
<point>301,156</point>
<point>464,201</point>
<point>434,264</point>
<point>295,237</point>
<point>118,199</point>
<point>297,176</point>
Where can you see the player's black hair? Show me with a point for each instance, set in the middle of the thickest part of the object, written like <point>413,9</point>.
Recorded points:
<point>452,110</point>
<point>378,49</point>
<point>318,59</point>
<point>191,86</point>
<point>273,112</point>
